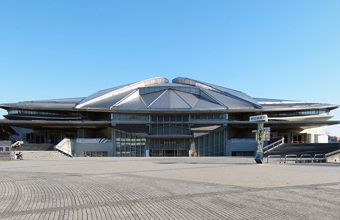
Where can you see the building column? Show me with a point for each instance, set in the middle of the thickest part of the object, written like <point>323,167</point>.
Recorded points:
<point>225,133</point>
<point>113,139</point>
<point>80,133</point>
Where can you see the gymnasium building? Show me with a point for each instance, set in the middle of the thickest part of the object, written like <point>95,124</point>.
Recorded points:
<point>154,117</point>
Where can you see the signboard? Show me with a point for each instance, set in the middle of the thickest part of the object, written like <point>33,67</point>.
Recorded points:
<point>92,140</point>
<point>259,118</point>
<point>5,149</point>
<point>244,140</point>
<point>266,134</point>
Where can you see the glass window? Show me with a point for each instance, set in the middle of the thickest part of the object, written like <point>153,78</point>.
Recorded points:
<point>179,129</point>
<point>154,129</point>
<point>185,129</point>
<point>166,129</point>
<point>172,128</point>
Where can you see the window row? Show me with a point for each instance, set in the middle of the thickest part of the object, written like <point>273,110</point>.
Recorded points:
<point>299,113</point>
<point>2,148</point>
<point>42,138</point>
<point>96,153</point>
<point>170,129</point>
<point>210,144</point>
<point>129,145</point>
<point>243,153</point>
<point>210,117</point>
<point>30,112</point>
<point>130,117</point>
<point>172,118</point>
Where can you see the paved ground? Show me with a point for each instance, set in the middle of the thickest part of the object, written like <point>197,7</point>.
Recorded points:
<point>167,188</point>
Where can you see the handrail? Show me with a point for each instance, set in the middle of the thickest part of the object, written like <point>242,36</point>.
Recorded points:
<point>332,153</point>
<point>274,145</point>
<point>274,156</point>
<point>305,158</point>
<point>319,159</point>
<point>17,143</point>
<point>292,155</point>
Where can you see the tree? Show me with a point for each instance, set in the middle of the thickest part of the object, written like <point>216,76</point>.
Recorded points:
<point>333,138</point>
<point>5,132</point>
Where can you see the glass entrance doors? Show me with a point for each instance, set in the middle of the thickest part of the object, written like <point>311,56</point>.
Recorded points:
<point>169,153</point>
<point>169,147</point>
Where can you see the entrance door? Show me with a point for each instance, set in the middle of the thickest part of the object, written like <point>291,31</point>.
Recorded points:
<point>169,147</point>
<point>169,153</point>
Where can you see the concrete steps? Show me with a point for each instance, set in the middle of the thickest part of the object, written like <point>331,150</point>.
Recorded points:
<point>30,155</point>
<point>36,147</point>
<point>299,149</point>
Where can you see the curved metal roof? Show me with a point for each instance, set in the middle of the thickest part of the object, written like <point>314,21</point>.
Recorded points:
<point>219,89</point>
<point>157,94</point>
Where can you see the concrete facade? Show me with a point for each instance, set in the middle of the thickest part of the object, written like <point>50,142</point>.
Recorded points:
<point>166,119</point>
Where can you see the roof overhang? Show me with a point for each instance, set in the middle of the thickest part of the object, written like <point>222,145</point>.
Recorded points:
<point>283,125</point>
<point>57,124</point>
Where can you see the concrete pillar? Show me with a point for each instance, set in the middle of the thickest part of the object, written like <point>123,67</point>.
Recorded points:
<point>81,133</point>
<point>192,145</point>
<point>113,138</point>
<point>225,133</point>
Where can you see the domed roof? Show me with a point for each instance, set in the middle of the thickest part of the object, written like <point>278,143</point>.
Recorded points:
<point>157,94</point>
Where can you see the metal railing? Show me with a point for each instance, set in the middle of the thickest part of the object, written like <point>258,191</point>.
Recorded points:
<point>18,143</point>
<point>332,153</point>
<point>319,158</point>
<point>305,158</point>
<point>290,157</point>
<point>273,156</point>
<point>274,145</point>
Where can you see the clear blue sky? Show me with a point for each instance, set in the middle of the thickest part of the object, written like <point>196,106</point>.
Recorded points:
<point>272,49</point>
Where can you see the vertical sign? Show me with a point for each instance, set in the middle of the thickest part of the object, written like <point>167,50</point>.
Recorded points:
<point>266,134</point>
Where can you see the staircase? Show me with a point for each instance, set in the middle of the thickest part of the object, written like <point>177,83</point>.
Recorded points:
<point>300,149</point>
<point>32,155</point>
<point>35,147</point>
<point>33,151</point>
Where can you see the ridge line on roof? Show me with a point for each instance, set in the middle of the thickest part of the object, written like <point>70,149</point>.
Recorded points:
<point>182,98</point>
<point>194,82</point>
<point>215,99</point>
<point>124,98</point>
<point>157,98</point>
<point>128,87</point>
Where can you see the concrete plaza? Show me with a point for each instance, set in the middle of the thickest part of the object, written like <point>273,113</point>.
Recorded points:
<point>167,188</point>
